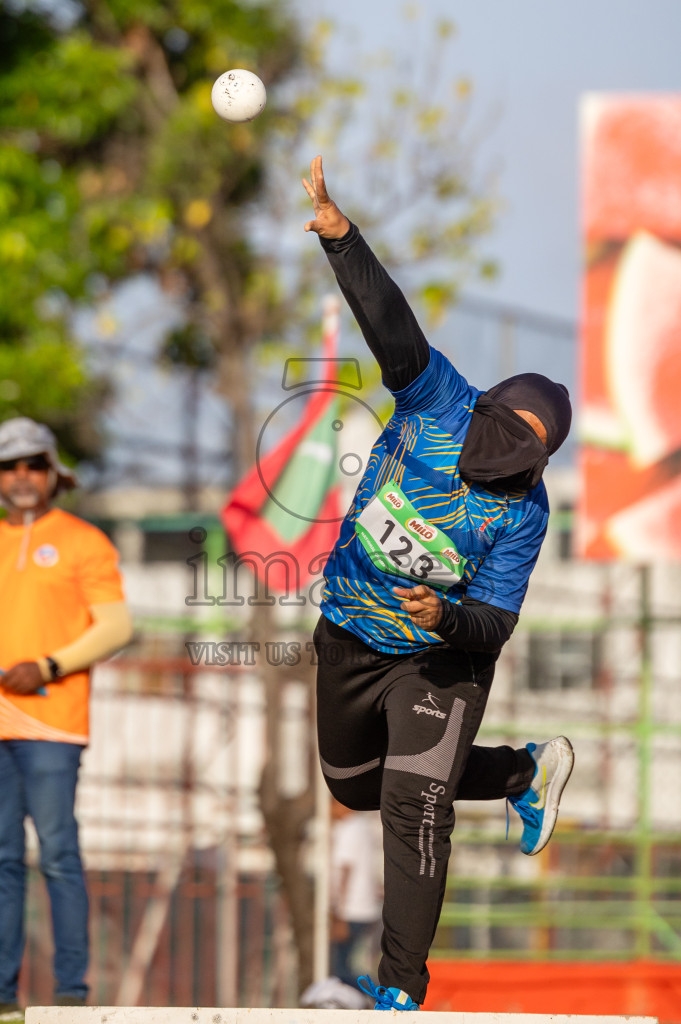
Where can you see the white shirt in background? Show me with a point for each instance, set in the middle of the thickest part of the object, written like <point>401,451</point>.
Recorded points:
<point>356,848</point>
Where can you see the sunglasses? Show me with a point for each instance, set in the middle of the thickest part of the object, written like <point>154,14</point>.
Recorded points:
<point>35,463</point>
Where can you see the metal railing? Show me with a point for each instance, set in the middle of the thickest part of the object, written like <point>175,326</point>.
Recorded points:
<point>186,908</point>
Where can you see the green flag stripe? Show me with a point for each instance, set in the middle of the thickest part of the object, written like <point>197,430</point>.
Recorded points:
<point>306,480</point>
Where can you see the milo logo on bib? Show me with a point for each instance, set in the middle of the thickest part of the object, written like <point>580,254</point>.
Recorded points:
<point>401,542</point>
<point>452,554</point>
<point>420,529</point>
<point>394,499</point>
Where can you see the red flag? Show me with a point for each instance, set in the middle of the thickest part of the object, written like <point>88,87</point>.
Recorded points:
<point>284,516</point>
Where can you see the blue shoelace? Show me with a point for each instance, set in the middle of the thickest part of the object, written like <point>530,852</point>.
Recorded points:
<point>377,992</point>
<point>386,998</point>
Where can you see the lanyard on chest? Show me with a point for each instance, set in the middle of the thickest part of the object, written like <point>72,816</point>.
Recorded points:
<point>396,448</point>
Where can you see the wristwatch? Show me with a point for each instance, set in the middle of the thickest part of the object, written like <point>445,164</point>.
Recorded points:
<point>54,667</point>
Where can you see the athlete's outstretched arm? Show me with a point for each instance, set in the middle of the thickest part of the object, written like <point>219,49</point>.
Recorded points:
<point>381,310</point>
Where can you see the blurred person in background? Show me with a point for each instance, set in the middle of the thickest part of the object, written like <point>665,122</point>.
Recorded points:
<point>422,590</point>
<point>63,609</point>
<point>356,887</point>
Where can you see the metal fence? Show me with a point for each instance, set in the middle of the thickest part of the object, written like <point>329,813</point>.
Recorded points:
<point>184,905</point>
<point>186,908</point>
<point>607,887</point>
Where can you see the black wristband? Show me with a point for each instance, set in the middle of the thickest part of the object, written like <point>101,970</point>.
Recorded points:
<point>54,667</point>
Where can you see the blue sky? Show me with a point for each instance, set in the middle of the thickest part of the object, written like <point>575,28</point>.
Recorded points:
<point>529,61</point>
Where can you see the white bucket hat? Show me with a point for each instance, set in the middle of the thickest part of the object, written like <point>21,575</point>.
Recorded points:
<point>21,437</point>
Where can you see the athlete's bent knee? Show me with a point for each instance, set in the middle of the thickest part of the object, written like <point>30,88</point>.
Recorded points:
<point>352,795</point>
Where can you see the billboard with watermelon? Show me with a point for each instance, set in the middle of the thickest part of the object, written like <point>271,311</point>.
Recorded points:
<point>630,453</point>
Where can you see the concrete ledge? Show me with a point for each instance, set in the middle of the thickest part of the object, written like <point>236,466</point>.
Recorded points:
<point>244,1015</point>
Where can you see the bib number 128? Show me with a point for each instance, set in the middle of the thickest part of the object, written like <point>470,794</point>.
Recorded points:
<point>422,566</point>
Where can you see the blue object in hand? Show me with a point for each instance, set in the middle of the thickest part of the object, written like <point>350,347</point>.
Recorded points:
<point>42,692</point>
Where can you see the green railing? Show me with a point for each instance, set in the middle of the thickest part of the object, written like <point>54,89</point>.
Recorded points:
<point>545,917</point>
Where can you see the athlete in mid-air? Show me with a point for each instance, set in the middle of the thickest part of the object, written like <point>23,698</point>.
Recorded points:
<point>422,590</point>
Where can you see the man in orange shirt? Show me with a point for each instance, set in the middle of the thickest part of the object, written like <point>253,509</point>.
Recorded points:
<point>62,608</point>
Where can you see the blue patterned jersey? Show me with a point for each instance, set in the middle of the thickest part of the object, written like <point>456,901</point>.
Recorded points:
<point>494,537</point>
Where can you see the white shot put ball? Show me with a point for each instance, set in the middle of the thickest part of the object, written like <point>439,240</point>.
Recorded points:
<point>238,95</point>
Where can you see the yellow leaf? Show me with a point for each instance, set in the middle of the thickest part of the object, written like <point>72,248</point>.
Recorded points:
<point>198,214</point>
<point>14,246</point>
<point>411,12</point>
<point>446,29</point>
<point>107,325</point>
<point>463,87</point>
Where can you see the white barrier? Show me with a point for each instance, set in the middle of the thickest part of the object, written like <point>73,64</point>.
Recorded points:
<point>244,1015</point>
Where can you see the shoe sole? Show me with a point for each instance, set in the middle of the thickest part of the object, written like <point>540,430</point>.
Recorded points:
<point>554,791</point>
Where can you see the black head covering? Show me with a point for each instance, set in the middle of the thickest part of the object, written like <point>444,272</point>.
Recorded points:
<point>501,448</point>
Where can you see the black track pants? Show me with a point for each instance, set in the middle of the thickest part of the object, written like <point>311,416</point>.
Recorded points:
<point>396,734</point>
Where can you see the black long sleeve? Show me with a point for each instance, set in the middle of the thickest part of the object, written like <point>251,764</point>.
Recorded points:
<point>402,352</point>
<point>381,310</point>
<point>475,626</point>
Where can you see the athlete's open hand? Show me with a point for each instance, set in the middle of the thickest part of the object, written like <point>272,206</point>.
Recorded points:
<point>329,222</point>
<point>422,605</point>
<point>22,678</point>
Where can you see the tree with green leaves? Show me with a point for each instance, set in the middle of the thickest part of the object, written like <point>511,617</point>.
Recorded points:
<point>112,160</point>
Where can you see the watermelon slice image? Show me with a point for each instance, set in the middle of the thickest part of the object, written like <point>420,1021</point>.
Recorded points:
<point>632,165</point>
<point>649,530</point>
<point>643,348</point>
<point>598,423</point>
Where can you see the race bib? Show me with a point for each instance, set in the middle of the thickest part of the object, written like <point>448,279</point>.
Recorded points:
<point>399,541</point>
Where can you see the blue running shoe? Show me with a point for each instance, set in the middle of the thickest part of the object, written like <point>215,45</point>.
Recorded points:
<point>387,998</point>
<point>538,805</point>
